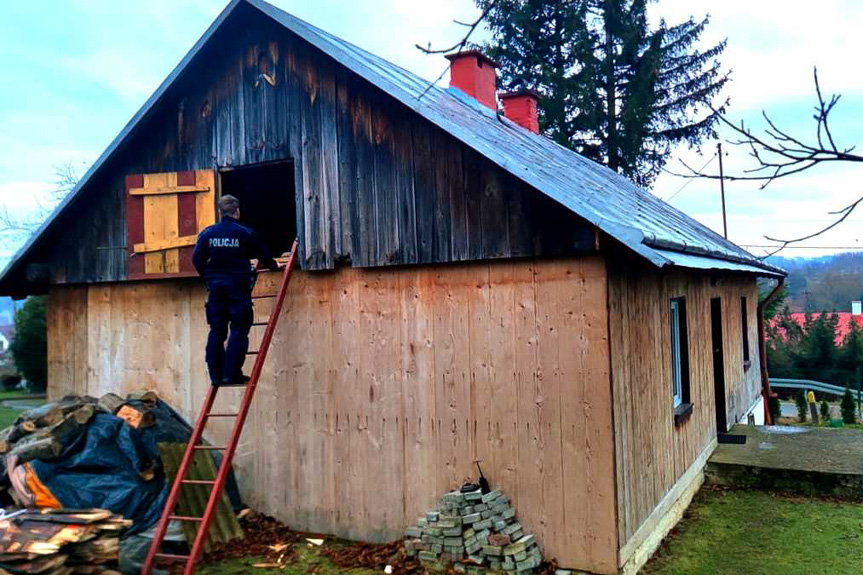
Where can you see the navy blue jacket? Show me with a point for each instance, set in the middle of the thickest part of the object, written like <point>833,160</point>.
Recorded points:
<point>224,249</point>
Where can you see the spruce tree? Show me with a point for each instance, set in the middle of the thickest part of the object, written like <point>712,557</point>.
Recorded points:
<point>849,411</point>
<point>614,89</point>
<point>802,405</point>
<point>825,411</point>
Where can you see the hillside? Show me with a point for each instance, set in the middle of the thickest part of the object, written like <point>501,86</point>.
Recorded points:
<point>827,283</point>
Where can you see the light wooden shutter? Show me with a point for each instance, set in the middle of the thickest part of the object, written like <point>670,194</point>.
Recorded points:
<point>164,214</point>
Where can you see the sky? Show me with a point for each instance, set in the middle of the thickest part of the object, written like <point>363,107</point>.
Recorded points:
<point>76,71</point>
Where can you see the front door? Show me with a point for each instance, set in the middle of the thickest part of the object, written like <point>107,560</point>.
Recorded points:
<point>718,364</point>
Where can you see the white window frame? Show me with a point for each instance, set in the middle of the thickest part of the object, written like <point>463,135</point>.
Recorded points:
<point>676,354</point>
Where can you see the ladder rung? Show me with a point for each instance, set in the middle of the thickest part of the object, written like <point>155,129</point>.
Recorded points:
<point>184,518</point>
<point>172,557</point>
<point>198,481</point>
<point>260,323</point>
<point>263,296</point>
<point>210,447</point>
<point>252,352</point>
<point>223,414</point>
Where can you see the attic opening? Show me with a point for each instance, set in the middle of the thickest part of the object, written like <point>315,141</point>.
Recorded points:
<point>267,205</point>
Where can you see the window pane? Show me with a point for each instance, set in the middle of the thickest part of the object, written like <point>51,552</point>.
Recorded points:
<point>676,375</point>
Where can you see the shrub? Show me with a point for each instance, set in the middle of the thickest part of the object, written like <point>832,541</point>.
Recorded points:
<point>825,411</point>
<point>802,406</point>
<point>849,410</point>
<point>775,409</point>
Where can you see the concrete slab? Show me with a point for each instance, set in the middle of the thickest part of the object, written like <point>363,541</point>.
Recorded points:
<point>791,458</point>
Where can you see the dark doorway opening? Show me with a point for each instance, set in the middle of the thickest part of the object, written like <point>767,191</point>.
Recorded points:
<point>267,204</point>
<point>718,365</point>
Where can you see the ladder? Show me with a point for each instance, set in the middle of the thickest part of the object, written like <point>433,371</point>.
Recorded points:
<point>195,444</point>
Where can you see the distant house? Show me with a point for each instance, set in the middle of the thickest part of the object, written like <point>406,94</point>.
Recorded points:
<point>843,324</point>
<point>468,290</point>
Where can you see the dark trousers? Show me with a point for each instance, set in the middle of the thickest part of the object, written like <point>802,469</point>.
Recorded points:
<point>229,302</point>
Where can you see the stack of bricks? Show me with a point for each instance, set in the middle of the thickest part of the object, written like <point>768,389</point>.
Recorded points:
<point>475,533</point>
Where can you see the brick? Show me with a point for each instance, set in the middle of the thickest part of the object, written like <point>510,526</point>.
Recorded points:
<point>437,548</point>
<point>432,516</point>
<point>483,535</point>
<point>500,507</point>
<point>492,550</point>
<point>508,514</point>
<point>427,556</point>
<point>473,547</point>
<point>516,547</point>
<point>499,539</point>
<point>451,541</point>
<point>512,528</point>
<point>529,563</point>
<point>449,523</point>
<point>468,533</point>
<point>454,497</point>
<point>414,532</point>
<point>467,510</point>
<point>487,513</point>
<point>470,519</point>
<point>480,508</point>
<point>517,535</point>
<point>478,559</point>
<point>473,495</point>
<point>499,525</point>
<point>452,532</point>
<point>491,496</point>
<point>470,541</point>
<point>495,565</point>
<point>521,556</point>
<point>484,524</point>
<point>562,572</point>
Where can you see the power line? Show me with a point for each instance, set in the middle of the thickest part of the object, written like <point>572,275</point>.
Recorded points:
<point>804,247</point>
<point>690,180</point>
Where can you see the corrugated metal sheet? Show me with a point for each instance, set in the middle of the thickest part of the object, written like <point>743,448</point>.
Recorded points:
<point>692,261</point>
<point>633,216</point>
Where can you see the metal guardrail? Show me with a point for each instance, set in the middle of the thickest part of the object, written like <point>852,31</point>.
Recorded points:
<point>807,384</point>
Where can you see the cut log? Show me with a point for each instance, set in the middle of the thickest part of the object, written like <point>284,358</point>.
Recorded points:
<point>83,414</point>
<point>137,416</point>
<point>12,434</point>
<point>44,416</point>
<point>149,397</point>
<point>36,446</point>
<point>111,402</point>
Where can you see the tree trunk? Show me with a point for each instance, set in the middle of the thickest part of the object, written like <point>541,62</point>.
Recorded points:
<point>611,88</point>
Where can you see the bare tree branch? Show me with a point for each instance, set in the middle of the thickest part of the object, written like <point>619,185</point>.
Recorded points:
<point>471,26</point>
<point>779,154</point>
<point>13,228</point>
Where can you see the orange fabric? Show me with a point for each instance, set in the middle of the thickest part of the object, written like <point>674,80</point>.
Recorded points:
<point>41,493</point>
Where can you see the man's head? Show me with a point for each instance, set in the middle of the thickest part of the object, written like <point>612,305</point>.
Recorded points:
<point>229,206</point>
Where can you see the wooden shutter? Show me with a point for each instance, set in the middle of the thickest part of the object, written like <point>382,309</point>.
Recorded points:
<point>164,214</point>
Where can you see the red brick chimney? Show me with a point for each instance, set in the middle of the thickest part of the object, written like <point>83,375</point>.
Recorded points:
<point>520,106</point>
<point>473,73</point>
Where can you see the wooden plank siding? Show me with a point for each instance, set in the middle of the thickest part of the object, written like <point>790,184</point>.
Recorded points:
<point>651,453</point>
<point>375,183</point>
<point>384,386</point>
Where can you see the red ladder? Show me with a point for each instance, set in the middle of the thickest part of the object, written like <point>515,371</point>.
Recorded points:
<point>228,451</point>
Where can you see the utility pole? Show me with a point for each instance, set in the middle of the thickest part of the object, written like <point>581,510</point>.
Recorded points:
<point>722,189</point>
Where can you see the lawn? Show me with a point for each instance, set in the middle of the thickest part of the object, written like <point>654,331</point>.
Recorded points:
<point>306,560</point>
<point>757,533</point>
<point>7,416</point>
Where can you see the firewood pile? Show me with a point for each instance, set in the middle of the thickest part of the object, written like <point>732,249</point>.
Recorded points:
<point>43,432</point>
<point>61,542</point>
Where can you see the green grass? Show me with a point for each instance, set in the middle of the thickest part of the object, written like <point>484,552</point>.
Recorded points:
<point>15,393</point>
<point>7,416</point>
<point>733,532</point>
<point>307,560</point>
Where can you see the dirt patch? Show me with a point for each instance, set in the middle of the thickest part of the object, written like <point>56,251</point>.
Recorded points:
<point>373,556</point>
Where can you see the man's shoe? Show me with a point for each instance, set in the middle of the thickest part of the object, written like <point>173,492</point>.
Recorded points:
<point>238,381</point>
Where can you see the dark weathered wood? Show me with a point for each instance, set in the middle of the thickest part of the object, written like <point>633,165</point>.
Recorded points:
<point>374,183</point>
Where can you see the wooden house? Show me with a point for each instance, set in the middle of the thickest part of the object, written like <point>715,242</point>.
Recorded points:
<point>468,290</point>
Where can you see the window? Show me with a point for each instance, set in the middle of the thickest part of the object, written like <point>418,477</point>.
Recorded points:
<point>679,360</point>
<point>744,325</point>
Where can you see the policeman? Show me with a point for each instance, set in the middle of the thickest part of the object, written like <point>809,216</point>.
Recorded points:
<point>223,257</point>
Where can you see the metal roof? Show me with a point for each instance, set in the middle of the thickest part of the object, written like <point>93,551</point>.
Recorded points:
<point>624,211</point>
